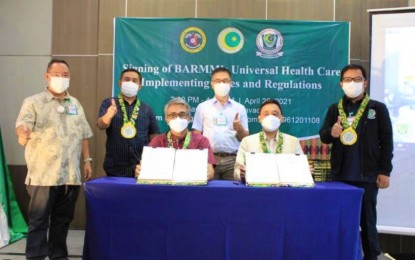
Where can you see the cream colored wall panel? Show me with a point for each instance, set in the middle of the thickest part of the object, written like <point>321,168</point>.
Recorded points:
<point>300,10</point>
<point>108,10</point>
<point>25,27</point>
<point>161,8</point>
<point>351,10</point>
<point>75,27</point>
<point>355,11</point>
<point>104,91</point>
<point>20,77</point>
<point>253,9</point>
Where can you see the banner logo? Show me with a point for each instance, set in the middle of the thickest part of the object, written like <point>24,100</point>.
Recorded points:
<point>230,40</point>
<point>269,43</point>
<point>193,40</point>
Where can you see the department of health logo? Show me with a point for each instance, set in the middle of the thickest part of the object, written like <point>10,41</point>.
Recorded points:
<point>269,42</point>
<point>230,40</point>
<point>193,40</point>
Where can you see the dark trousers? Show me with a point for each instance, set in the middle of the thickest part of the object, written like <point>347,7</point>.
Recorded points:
<point>368,217</point>
<point>50,207</point>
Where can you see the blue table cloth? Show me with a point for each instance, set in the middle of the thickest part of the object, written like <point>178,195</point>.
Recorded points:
<point>223,220</point>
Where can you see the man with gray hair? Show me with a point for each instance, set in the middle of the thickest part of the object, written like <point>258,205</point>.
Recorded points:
<point>177,115</point>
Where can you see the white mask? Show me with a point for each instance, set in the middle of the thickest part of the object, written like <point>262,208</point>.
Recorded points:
<point>129,88</point>
<point>178,124</point>
<point>59,84</point>
<point>271,123</point>
<point>221,89</point>
<point>352,89</point>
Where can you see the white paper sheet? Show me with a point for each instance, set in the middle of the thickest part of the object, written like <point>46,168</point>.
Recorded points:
<point>168,165</point>
<point>190,165</point>
<point>261,168</point>
<point>278,169</point>
<point>157,163</point>
<point>294,170</point>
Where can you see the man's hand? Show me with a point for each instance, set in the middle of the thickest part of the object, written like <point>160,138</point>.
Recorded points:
<point>382,181</point>
<point>242,173</point>
<point>137,170</point>
<point>237,126</point>
<point>337,128</point>
<point>87,171</point>
<point>23,133</point>
<point>105,120</point>
<point>112,110</point>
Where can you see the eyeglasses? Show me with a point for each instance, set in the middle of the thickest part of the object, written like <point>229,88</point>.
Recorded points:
<point>54,74</point>
<point>355,79</point>
<point>217,81</point>
<point>182,115</point>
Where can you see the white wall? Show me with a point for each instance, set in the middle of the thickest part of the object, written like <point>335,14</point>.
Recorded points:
<point>25,50</point>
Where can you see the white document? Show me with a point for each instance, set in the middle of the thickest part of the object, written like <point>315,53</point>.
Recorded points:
<point>263,169</point>
<point>157,164</point>
<point>190,165</point>
<point>294,170</point>
<point>171,166</point>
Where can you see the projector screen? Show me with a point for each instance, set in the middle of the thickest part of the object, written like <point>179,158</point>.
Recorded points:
<point>392,81</point>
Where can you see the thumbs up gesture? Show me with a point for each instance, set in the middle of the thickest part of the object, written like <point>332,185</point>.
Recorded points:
<point>112,110</point>
<point>337,128</point>
<point>237,126</point>
<point>23,133</point>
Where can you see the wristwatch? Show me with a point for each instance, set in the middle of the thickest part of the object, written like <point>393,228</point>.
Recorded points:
<point>89,159</point>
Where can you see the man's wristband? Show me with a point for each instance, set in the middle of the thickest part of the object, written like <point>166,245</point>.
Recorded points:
<point>89,159</point>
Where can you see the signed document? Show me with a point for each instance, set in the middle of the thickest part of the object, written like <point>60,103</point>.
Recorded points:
<point>263,169</point>
<point>170,166</point>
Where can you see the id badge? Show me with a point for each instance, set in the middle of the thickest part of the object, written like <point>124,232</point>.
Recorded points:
<point>220,120</point>
<point>72,110</point>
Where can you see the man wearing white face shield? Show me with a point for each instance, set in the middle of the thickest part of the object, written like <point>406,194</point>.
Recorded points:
<point>269,140</point>
<point>360,131</point>
<point>177,115</point>
<point>223,121</point>
<point>129,123</point>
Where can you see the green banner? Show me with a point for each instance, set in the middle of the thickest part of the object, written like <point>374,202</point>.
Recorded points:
<point>296,62</point>
<point>16,222</point>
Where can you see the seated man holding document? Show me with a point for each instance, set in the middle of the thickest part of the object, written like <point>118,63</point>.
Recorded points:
<point>271,156</point>
<point>186,152</point>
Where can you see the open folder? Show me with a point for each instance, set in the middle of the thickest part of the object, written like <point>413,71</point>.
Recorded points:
<point>264,169</point>
<point>170,166</point>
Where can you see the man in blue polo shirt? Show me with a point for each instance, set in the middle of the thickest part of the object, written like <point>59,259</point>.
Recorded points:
<point>224,122</point>
<point>129,124</point>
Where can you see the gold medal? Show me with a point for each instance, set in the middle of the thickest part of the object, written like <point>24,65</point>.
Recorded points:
<point>128,130</point>
<point>348,136</point>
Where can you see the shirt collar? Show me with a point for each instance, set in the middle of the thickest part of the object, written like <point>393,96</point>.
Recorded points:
<point>50,96</point>
<point>269,139</point>
<point>229,101</point>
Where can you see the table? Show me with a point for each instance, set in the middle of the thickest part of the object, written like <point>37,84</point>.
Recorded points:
<point>223,220</point>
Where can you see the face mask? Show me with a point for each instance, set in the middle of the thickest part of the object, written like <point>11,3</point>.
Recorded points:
<point>129,88</point>
<point>59,84</point>
<point>352,89</point>
<point>178,124</point>
<point>222,89</point>
<point>270,123</point>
